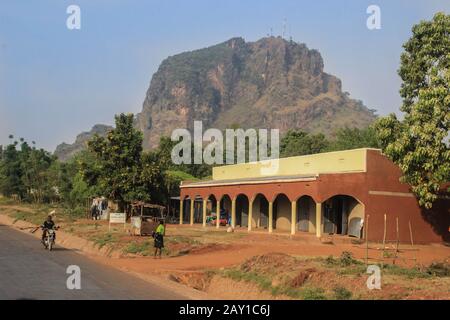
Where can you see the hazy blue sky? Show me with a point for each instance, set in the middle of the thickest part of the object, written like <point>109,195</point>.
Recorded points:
<point>55,82</point>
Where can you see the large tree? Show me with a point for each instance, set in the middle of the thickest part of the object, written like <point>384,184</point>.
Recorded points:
<point>11,172</point>
<point>419,144</point>
<point>119,157</point>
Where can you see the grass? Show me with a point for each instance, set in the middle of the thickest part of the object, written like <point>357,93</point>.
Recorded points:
<point>410,273</point>
<point>265,283</point>
<point>346,264</point>
<point>6,201</point>
<point>349,266</point>
<point>107,239</point>
<point>35,218</point>
<point>144,248</point>
<point>313,293</point>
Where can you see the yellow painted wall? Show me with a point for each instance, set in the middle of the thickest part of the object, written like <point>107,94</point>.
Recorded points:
<point>329,162</point>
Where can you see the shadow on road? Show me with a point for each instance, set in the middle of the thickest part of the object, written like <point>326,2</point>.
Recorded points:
<point>61,249</point>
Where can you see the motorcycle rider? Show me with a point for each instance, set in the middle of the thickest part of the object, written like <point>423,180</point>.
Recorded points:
<point>47,225</point>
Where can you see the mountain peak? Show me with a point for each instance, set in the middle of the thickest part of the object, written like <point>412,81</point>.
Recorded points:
<point>271,83</point>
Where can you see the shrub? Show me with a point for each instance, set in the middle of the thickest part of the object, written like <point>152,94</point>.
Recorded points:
<point>346,259</point>
<point>342,293</point>
<point>438,269</point>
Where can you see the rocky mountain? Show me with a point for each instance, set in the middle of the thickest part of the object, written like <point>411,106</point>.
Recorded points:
<point>65,151</point>
<point>270,83</point>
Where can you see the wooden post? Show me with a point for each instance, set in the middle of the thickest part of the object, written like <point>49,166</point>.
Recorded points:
<point>412,241</point>
<point>398,241</point>
<point>384,242</point>
<point>367,240</point>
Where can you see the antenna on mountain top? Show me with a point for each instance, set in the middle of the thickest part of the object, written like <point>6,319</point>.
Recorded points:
<point>283,35</point>
<point>271,32</point>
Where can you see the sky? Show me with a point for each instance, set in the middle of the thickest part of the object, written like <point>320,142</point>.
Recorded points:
<point>56,82</point>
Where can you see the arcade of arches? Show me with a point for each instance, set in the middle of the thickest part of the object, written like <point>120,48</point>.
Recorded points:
<point>344,192</point>
<point>339,214</point>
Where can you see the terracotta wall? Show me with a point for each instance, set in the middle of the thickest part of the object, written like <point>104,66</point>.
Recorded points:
<point>382,176</point>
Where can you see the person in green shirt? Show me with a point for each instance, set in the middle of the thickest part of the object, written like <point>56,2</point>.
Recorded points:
<point>159,238</point>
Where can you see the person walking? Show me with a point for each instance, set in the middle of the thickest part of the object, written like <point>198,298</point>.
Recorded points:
<point>159,238</point>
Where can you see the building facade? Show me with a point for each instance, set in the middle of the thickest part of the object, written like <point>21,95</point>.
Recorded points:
<point>351,193</point>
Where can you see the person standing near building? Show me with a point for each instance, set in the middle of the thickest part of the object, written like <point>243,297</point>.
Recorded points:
<point>159,238</point>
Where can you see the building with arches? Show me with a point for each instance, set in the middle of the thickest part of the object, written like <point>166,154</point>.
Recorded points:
<point>340,192</point>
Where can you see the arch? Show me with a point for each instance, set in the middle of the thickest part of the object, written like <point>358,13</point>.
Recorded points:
<point>211,209</point>
<point>343,214</point>
<point>307,195</point>
<point>186,208</point>
<point>306,214</point>
<point>331,195</point>
<point>198,208</point>
<point>225,207</point>
<point>260,215</point>
<point>282,212</point>
<point>242,207</point>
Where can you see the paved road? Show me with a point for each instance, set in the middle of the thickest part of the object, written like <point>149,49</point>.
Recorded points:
<point>28,271</point>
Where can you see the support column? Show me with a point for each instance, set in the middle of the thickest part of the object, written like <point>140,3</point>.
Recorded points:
<point>181,210</point>
<point>205,202</point>
<point>270,216</point>
<point>318,219</point>
<point>233,213</point>
<point>192,211</point>
<point>293,217</point>
<point>250,213</point>
<point>218,214</point>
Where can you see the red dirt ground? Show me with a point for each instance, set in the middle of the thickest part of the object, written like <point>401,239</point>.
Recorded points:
<point>256,243</point>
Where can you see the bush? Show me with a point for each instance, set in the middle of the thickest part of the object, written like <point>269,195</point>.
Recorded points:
<point>346,259</point>
<point>342,293</point>
<point>438,269</point>
<point>104,239</point>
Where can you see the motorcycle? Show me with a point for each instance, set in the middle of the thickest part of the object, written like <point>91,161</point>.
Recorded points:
<point>49,239</point>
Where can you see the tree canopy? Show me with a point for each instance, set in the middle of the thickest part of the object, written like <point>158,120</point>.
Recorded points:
<point>419,143</point>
